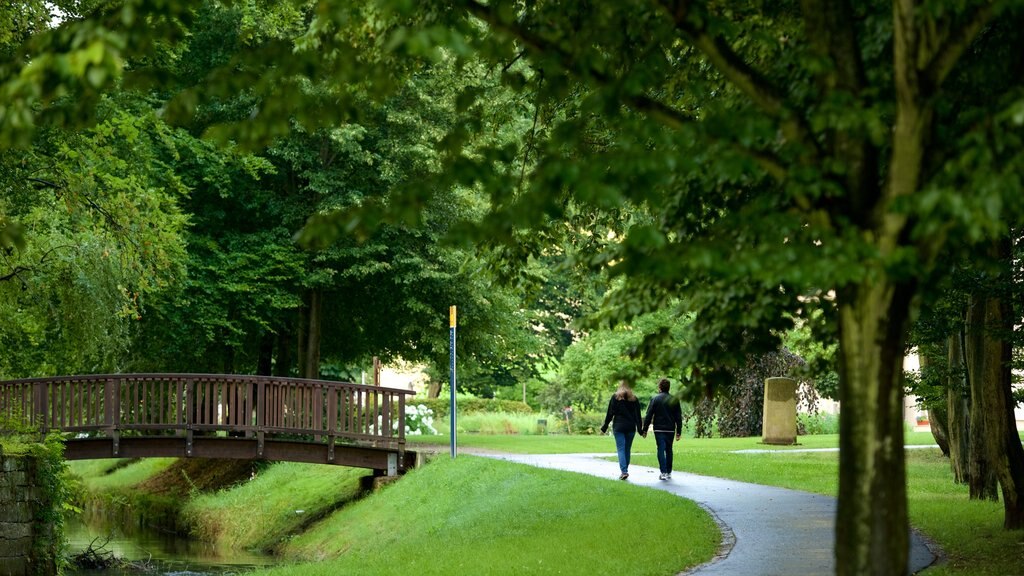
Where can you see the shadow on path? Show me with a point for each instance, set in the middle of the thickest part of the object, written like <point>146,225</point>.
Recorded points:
<point>766,530</point>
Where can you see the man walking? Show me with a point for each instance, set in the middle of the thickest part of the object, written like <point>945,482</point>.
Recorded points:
<point>668,420</point>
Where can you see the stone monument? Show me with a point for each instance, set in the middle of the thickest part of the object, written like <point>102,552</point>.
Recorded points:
<point>779,422</point>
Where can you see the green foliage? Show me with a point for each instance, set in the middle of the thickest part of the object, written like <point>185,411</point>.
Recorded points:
<point>101,237</point>
<point>814,424</point>
<point>51,485</point>
<point>583,423</point>
<point>814,339</point>
<point>54,496</point>
<point>593,365</point>
<point>469,405</point>
<point>490,423</point>
<point>738,412</point>
<point>419,420</point>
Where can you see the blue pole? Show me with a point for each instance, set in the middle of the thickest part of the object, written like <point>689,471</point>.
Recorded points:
<point>452,412</point>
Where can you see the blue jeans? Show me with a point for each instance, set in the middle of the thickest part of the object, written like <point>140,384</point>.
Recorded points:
<point>664,440</point>
<point>623,444</point>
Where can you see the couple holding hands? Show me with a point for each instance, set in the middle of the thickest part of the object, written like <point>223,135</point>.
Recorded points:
<point>624,414</point>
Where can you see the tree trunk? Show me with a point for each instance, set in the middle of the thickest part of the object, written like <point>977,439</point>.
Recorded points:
<point>283,358</point>
<point>311,368</point>
<point>302,337</point>
<point>1005,453</point>
<point>978,355</point>
<point>229,359</point>
<point>434,389</point>
<point>958,403</point>
<point>872,530</point>
<point>265,362</point>
<point>937,416</point>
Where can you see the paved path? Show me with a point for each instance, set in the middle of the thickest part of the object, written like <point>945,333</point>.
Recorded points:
<point>767,531</point>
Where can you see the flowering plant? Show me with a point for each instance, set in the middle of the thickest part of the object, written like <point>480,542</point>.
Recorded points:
<point>419,420</point>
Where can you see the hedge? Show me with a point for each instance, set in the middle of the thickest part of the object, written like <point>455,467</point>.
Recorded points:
<point>474,406</point>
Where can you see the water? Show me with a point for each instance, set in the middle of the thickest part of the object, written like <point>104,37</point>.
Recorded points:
<point>159,553</point>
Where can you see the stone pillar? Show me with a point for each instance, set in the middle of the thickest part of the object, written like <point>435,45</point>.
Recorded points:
<point>779,422</point>
<point>19,500</point>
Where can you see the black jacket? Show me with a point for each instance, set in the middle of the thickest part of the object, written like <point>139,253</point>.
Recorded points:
<point>626,414</point>
<point>664,410</point>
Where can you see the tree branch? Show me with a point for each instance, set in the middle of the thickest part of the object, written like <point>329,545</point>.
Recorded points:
<point>943,62</point>
<point>14,272</point>
<point>654,108</point>
<point>107,216</point>
<point>742,76</point>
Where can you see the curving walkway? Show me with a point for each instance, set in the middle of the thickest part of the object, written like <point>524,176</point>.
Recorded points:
<point>767,531</point>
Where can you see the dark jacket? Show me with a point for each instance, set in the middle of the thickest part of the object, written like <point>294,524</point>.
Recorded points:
<point>665,412</point>
<point>625,413</point>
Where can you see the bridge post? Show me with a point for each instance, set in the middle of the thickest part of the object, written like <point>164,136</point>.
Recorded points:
<point>112,411</point>
<point>190,406</point>
<point>332,420</point>
<point>40,407</point>
<point>261,415</point>
<point>401,432</point>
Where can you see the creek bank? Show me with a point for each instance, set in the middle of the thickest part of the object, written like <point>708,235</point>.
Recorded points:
<point>230,504</point>
<point>158,501</point>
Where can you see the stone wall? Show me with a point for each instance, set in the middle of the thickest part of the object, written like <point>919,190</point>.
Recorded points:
<point>19,502</point>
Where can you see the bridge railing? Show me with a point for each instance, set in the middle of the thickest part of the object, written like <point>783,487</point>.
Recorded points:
<point>187,404</point>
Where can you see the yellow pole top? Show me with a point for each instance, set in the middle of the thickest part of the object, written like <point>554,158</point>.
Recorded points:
<point>451,316</point>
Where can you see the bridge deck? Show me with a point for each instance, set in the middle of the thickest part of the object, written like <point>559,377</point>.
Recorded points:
<point>216,416</point>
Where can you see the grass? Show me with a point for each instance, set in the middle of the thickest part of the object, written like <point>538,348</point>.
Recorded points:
<point>490,517</point>
<point>278,502</point>
<point>969,532</point>
<point>472,515</point>
<point>108,475</point>
<point>481,516</point>
<point>494,423</point>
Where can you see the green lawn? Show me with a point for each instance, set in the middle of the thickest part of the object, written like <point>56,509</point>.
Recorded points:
<point>487,517</point>
<point>482,516</point>
<point>969,532</point>
<point>468,515</point>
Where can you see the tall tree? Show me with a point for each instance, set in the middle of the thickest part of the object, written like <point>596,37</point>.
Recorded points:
<point>789,149</point>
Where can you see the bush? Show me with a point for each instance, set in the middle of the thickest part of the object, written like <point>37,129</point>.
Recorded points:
<point>738,409</point>
<point>466,405</point>
<point>419,419</point>
<point>485,423</point>
<point>812,424</point>
<point>584,423</point>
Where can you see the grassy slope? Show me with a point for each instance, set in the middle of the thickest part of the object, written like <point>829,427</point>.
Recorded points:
<point>969,532</point>
<point>279,501</point>
<point>470,515</point>
<point>480,516</point>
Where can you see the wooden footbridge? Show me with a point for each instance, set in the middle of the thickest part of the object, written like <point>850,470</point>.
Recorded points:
<point>216,416</point>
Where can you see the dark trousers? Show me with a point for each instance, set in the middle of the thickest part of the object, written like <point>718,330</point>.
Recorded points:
<point>664,441</point>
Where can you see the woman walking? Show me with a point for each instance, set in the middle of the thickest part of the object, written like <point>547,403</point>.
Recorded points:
<point>624,412</point>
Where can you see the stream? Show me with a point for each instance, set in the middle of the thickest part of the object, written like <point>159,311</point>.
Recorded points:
<point>158,553</point>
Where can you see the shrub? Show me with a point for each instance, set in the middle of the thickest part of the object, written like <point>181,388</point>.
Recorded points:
<point>419,419</point>
<point>503,423</point>
<point>820,423</point>
<point>737,411</point>
<point>583,423</point>
<point>468,405</point>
